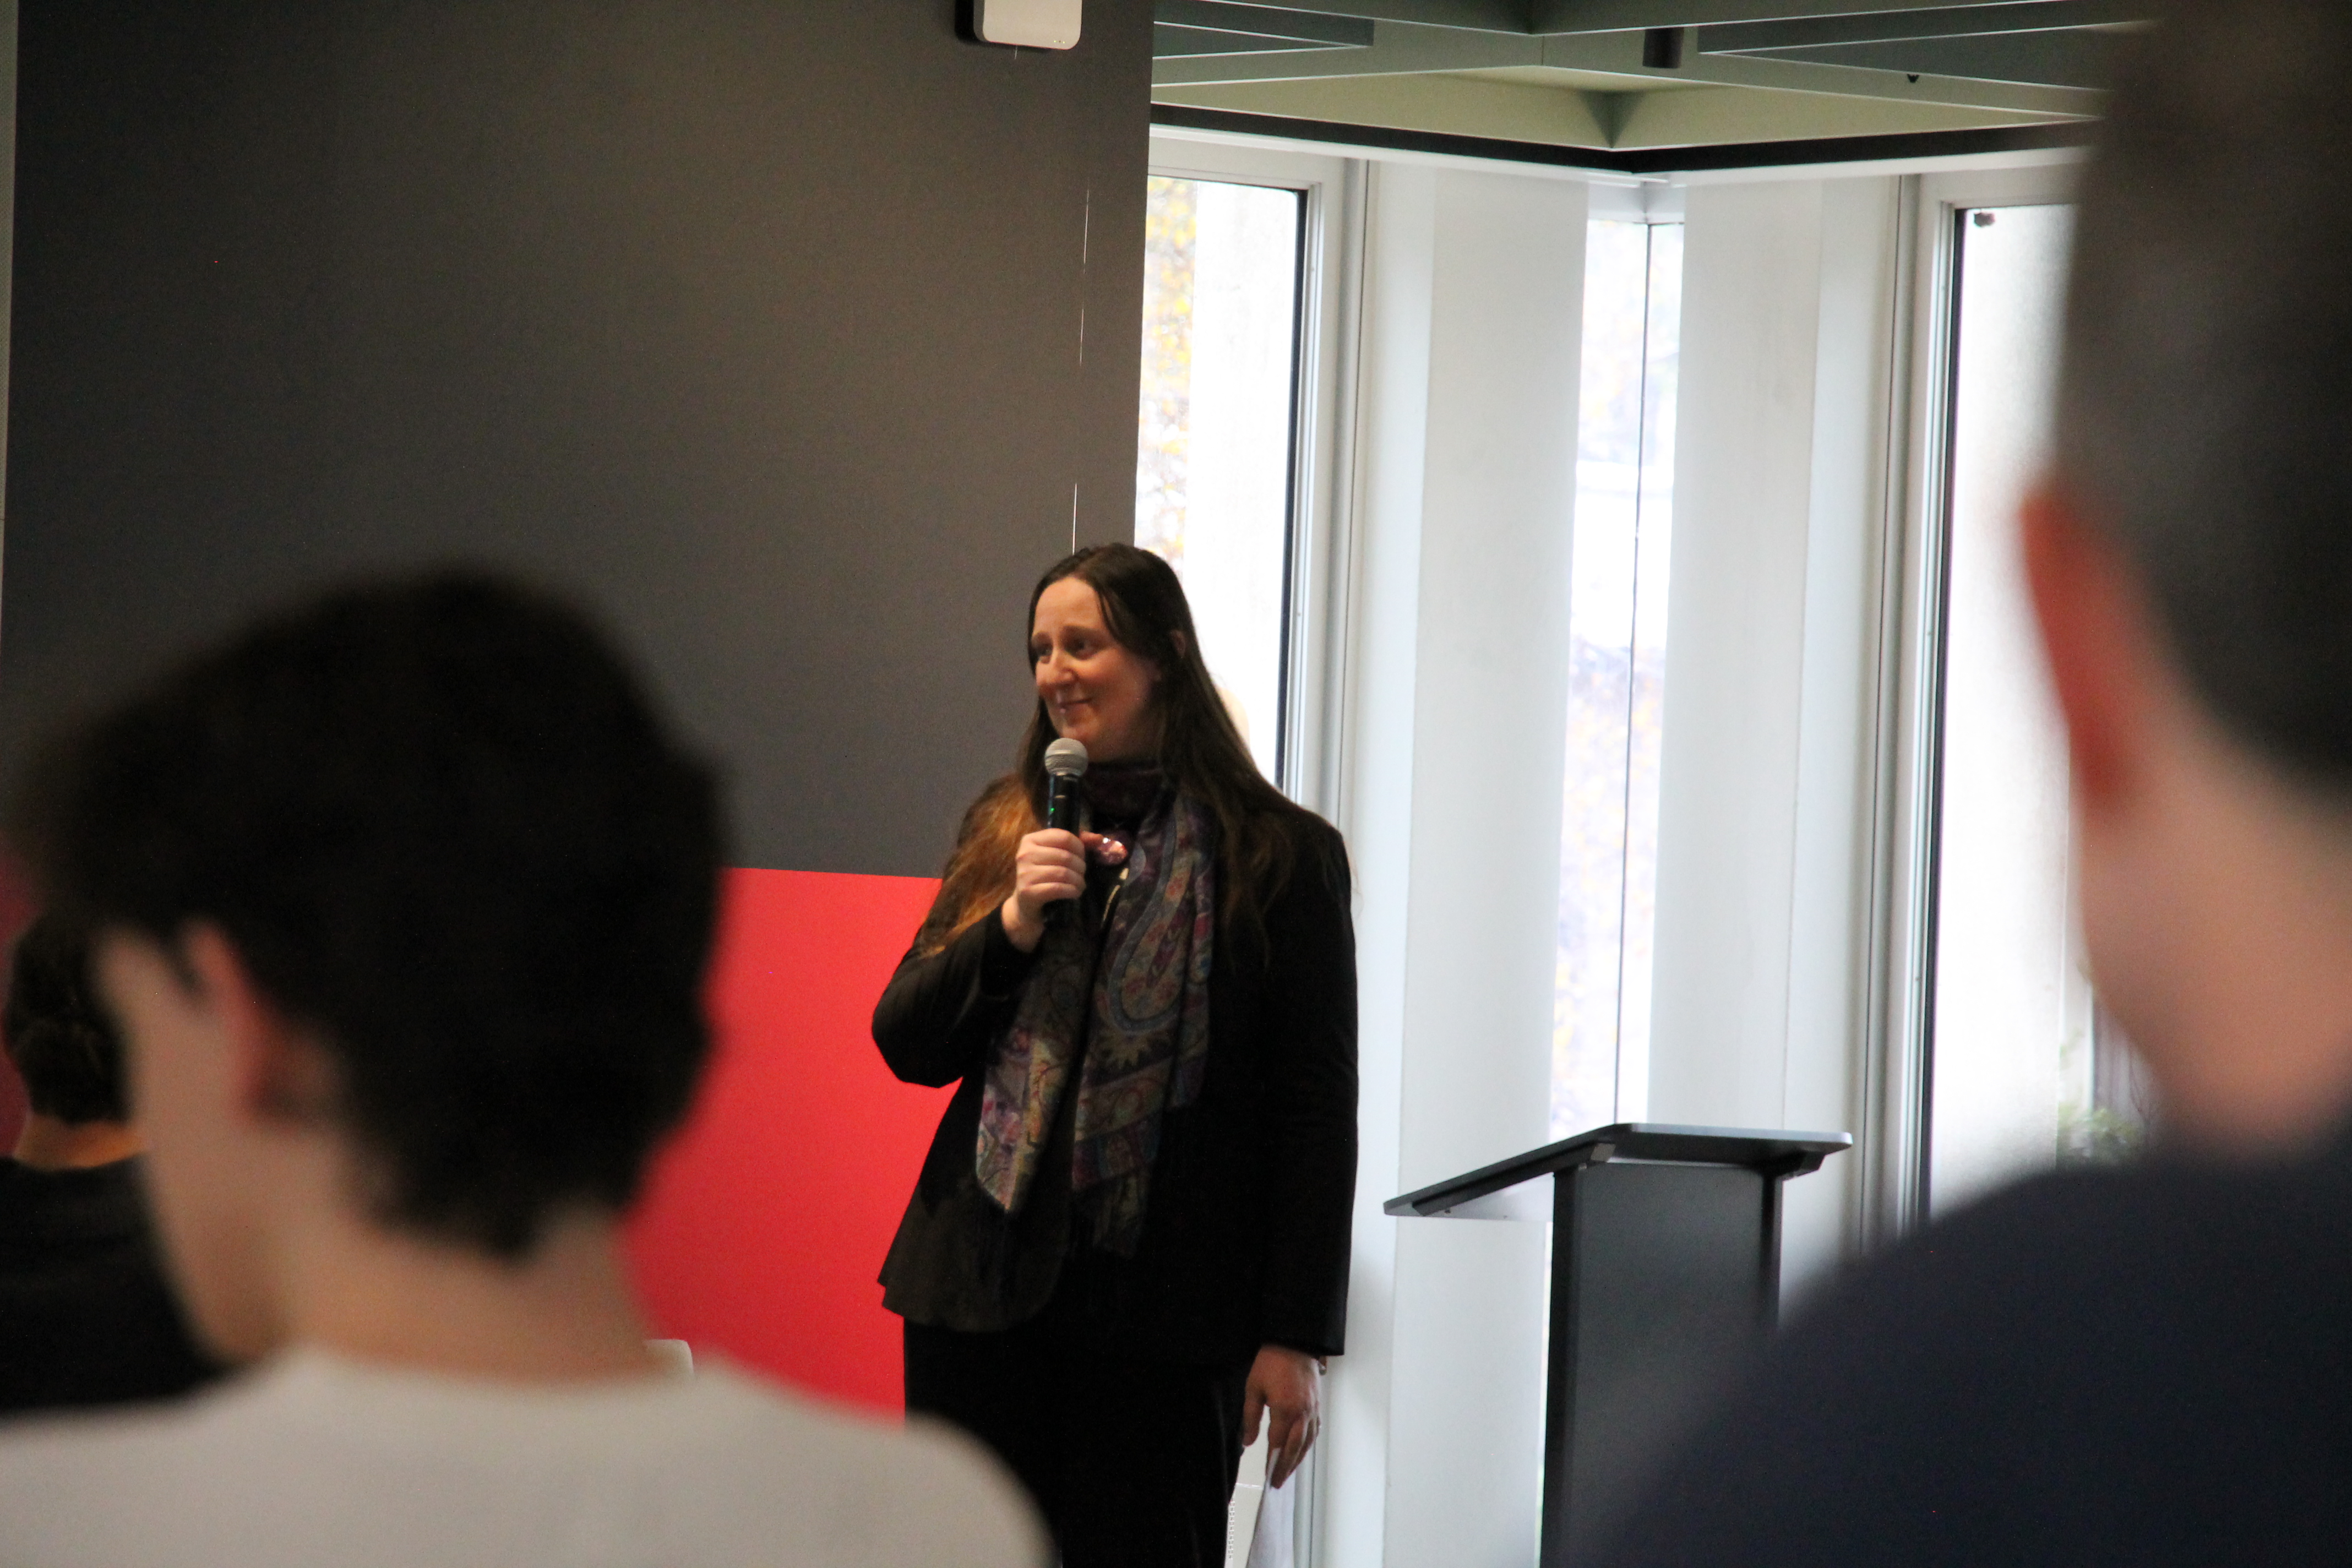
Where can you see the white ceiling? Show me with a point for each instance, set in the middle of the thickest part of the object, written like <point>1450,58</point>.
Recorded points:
<point>1592,73</point>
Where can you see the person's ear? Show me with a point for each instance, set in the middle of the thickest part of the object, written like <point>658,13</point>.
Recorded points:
<point>1181,643</point>
<point>2099,638</point>
<point>277,1072</point>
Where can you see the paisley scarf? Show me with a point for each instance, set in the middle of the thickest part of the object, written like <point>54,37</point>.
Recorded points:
<point>1125,999</point>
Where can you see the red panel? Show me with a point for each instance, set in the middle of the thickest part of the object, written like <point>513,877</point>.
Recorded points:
<point>12,1106</point>
<point>766,1220</point>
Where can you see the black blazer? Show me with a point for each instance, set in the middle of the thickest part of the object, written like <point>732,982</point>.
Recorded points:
<point>1246,1224</point>
<point>86,1317</point>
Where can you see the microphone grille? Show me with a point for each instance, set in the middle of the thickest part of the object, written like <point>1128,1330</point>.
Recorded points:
<point>1067,758</point>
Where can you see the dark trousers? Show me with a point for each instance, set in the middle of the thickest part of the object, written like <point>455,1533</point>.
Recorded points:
<point>1131,1462</point>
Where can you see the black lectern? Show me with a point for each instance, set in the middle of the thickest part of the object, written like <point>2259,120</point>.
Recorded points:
<point>1666,1270</point>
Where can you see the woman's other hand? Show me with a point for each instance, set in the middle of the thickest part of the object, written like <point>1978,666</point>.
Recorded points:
<point>1049,867</point>
<point>1283,1385</point>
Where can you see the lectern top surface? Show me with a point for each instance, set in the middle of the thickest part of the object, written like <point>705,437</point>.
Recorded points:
<point>1754,1148</point>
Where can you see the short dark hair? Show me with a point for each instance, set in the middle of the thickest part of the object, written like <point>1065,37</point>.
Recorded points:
<point>2205,404</point>
<point>63,1044</point>
<point>445,829</point>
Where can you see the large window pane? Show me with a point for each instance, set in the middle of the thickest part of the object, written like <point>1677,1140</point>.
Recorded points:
<point>1617,648</point>
<point>2018,1053</point>
<point>1212,485</point>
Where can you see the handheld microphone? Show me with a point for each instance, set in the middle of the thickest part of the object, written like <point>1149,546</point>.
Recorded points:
<point>1066,764</point>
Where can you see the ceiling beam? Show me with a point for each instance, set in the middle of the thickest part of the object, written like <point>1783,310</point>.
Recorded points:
<point>2009,19</point>
<point>1397,49</point>
<point>1476,15</point>
<point>1196,43</point>
<point>1278,26</point>
<point>1621,52</point>
<point>2079,58</point>
<point>1556,16</point>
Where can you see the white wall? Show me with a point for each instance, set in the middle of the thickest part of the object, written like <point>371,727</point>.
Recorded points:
<point>1393,391</point>
<point>1473,294</point>
<point>1781,516</point>
<point>1789,498</point>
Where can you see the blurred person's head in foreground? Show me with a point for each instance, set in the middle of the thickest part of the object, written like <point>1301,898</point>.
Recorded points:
<point>402,900</point>
<point>2144,1365</point>
<point>67,1052</point>
<point>2190,560</point>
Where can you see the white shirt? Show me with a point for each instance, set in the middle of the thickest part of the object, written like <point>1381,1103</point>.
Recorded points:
<point>312,1459</point>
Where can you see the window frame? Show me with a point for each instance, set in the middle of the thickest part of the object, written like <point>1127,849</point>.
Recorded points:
<point>1320,556</point>
<point>1625,205</point>
<point>1897,1098</point>
<point>1316,555</point>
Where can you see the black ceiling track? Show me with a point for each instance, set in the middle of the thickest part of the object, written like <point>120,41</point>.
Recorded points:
<point>1646,159</point>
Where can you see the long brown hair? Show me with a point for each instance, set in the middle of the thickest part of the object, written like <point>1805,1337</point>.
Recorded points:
<point>1144,608</point>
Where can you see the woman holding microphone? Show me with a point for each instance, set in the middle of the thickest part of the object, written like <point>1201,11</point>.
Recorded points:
<point>1129,1240</point>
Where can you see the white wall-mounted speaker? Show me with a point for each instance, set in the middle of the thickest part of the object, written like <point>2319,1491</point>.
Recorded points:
<point>1026,23</point>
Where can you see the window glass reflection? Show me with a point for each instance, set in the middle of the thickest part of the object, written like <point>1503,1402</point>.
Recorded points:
<point>1617,640</point>
<point>1213,483</point>
<point>2025,1071</point>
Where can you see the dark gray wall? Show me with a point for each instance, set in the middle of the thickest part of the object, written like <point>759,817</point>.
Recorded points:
<point>754,324</point>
